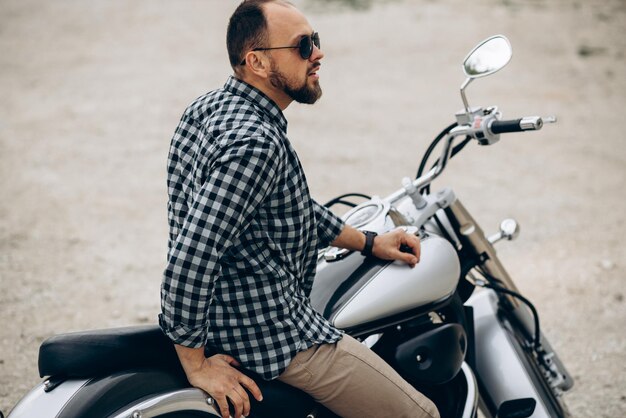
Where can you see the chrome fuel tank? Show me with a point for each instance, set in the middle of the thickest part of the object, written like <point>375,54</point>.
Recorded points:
<point>355,290</point>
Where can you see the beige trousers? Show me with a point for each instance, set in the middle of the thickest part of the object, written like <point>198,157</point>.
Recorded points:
<point>352,381</point>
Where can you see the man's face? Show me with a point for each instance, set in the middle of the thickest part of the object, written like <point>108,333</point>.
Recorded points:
<point>300,89</point>
<point>290,74</point>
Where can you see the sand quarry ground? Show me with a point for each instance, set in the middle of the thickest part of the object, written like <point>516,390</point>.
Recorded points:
<point>92,91</point>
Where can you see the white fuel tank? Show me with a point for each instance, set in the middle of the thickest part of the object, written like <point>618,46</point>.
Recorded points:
<point>398,288</point>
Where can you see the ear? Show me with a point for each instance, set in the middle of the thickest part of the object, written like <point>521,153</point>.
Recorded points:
<point>257,63</point>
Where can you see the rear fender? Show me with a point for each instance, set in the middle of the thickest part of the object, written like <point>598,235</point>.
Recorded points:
<point>39,403</point>
<point>152,392</point>
<point>104,396</point>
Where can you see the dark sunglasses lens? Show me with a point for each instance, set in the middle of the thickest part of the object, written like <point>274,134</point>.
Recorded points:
<point>306,47</point>
<point>316,40</point>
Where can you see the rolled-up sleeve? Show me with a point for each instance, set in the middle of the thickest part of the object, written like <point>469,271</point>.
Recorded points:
<point>329,225</point>
<point>235,186</point>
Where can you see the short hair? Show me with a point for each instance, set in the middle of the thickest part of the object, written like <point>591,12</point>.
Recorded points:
<point>247,29</point>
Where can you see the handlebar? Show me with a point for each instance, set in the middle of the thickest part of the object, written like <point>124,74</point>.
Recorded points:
<point>486,132</point>
<point>531,123</point>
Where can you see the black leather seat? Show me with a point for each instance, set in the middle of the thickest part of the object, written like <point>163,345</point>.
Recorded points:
<point>93,353</point>
<point>105,352</point>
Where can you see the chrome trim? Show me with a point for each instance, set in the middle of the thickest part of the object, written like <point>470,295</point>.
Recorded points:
<point>466,107</point>
<point>47,385</point>
<point>413,193</point>
<point>179,400</point>
<point>434,172</point>
<point>371,340</point>
<point>380,207</point>
<point>531,123</point>
<point>335,253</point>
<point>436,201</point>
<point>509,230</point>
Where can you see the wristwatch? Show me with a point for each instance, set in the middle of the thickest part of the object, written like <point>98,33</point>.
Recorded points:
<point>369,243</point>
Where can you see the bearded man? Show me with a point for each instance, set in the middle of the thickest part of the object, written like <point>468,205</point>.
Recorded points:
<point>245,233</point>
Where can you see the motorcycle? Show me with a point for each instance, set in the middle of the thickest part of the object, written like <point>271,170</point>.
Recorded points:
<point>456,327</point>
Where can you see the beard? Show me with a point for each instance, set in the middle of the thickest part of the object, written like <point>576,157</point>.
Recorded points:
<point>300,92</point>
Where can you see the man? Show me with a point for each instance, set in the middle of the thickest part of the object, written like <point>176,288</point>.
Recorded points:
<point>244,237</point>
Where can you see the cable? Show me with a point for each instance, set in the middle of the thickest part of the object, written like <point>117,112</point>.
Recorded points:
<point>537,338</point>
<point>455,150</point>
<point>339,199</point>
<point>341,202</point>
<point>432,146</point>
<point>443,230</point>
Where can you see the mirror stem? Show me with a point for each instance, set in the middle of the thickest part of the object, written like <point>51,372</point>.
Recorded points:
<point>463,87</point>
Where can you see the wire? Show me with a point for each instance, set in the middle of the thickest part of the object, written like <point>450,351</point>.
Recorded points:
<point>455,150</point>
<point>432,146</point>
<point>537,338</point>
<point>443,230</point>
<point>341,202</point>
<point>339,199</point>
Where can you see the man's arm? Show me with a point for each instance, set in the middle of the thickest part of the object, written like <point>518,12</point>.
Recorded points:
<point>332,230</point>
<point>236,186</point>
<point>386,246</point>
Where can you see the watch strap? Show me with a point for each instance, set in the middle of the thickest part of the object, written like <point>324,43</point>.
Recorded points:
<point>369,243</point>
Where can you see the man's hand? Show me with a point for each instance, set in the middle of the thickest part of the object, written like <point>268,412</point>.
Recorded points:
<point>397,245</point>
<point>218,376</point>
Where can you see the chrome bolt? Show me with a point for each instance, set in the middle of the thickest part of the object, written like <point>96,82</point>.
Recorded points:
<point>509,230</point>
<point>419,358</point>
<point>47,385</point>
<point>210,401</point>
<point>136,414</point>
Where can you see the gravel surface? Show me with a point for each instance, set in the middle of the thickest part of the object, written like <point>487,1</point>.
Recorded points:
<point>92,91</point>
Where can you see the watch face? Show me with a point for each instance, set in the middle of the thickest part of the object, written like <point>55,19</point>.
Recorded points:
<point>363,215</point>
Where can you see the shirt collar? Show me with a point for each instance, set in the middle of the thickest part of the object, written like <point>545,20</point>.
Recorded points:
<point>256,96</point>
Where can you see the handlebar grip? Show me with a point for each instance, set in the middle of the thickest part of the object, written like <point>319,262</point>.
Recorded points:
<point>532,123</point>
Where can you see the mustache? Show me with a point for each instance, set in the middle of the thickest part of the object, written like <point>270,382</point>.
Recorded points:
<point>316,65</point>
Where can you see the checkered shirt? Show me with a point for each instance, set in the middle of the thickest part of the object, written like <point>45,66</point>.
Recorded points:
<point>244,234</point>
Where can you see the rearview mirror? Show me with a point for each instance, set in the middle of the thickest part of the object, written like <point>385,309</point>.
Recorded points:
<point>488,57</point>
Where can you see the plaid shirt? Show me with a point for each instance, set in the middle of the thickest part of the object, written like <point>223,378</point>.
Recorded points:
<point>244,234</point>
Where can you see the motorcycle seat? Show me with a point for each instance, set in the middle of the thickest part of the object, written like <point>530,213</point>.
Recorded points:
<point>92,353</point>
<point>101,353</point>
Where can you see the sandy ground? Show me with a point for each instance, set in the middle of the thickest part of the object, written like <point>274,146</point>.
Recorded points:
<point>92,91</point>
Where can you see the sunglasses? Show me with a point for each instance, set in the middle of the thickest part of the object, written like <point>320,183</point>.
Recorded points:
<point>305,46</point>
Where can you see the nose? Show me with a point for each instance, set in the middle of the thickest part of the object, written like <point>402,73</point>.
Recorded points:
<point>316,55</point>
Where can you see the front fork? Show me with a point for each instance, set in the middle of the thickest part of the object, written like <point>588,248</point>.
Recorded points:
<point>470,234</point>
